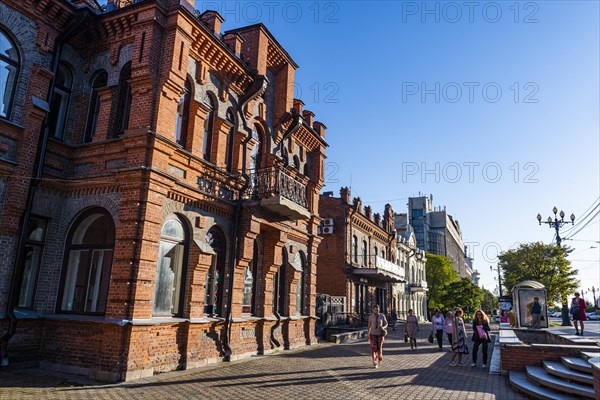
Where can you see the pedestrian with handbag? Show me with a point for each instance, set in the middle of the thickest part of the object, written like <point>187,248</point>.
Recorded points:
<point>577,312</point>
<point>412,329</point>
<point>377,330</point>
<point>481,337</point>
<point>437,327</point>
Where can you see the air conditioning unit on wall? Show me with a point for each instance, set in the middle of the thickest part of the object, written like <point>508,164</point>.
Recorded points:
<point>327,230</point>
<point>327,222</point>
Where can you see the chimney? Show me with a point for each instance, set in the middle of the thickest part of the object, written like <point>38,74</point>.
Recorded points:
<point>234,41</point>
<point>369,212</point>
<point>345,195</point>
<point>213,20</point>
<point>358,204</point>
<point>320,128</point>
<point>377,217</point>
<point>298,107</point>
<point>308,117</point>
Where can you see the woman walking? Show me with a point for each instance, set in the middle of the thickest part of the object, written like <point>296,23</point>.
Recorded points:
<point>377,324</point>
<point>577,311</point>
<point>448,326</point>
<point>412,329</point>
<point>481,337</point>
<point>459,334</point>
<point>437,327</point>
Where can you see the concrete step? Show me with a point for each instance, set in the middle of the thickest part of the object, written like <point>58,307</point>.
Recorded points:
<point>586,355</point>
<point>519,382</point>
<point>557,369</point>
<point>539,375</point>
<point>577,364</point>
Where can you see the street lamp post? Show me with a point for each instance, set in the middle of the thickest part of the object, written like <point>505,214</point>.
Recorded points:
<point>557,224</point>
<point>499,279</point>
<point>593,294</point>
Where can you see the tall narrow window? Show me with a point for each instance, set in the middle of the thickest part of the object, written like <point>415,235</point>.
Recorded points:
<point>213,303</point>
<point>230,141</point>
<point>100,81</point>
<point>256,152</point>
<point>89,255</point>
<point>355,248</point>
<point>279,286</point>
<point>170,274</point>
<point>124,107</point>
<point>59,107</point>
<point>33,258</point>
<point>9,72</point>
<point>301,287</point>
<point>307,165</point>
<point>208,128</point>
<point>250,277</point>
<point>365,253</point>
<point>183,113</point>
<point>375,251</point>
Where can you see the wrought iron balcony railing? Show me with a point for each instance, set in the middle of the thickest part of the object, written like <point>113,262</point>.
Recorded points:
<point>276,181</point>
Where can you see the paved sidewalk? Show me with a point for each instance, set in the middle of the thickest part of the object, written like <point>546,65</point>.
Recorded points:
<point>322,372</point>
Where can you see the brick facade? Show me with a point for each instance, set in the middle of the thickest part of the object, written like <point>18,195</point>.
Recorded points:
<point>350,257</point>
<point>259,187</point>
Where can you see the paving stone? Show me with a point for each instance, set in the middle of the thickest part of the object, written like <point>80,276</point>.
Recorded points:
<point>326,371</point>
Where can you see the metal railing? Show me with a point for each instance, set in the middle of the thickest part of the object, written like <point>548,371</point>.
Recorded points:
<point>275,181</point>
<point>389,266</point>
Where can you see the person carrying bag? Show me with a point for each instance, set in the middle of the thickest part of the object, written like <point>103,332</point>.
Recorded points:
<point>481,337</point>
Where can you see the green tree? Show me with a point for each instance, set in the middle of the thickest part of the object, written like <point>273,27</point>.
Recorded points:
<point>439,274</point>
<point>546,264</point>
<point>489,302</point>
<point>464,294</point>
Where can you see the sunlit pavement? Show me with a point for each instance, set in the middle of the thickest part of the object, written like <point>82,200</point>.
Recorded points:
<point>321,372</point>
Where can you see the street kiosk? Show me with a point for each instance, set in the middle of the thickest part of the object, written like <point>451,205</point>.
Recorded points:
<point>525,307</point>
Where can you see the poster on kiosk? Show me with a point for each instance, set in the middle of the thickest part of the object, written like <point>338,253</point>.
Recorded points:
<point>530,297</point>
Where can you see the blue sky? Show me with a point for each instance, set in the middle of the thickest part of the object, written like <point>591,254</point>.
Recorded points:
<point>507,92</point>
<point>363,68</point>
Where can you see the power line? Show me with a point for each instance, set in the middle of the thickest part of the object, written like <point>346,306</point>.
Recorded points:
<point>591,221</point>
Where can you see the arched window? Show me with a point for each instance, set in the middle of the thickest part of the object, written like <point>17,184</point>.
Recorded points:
<point>170,274</point>
<point>296,162</point>
<point>208,128</point>
<point>307,165</point>
<point>375,251</point>
<point>59,108</point>
<point>365,253</point>
<point>279,285</point>
<point>213,303</point>
<point>10,63</point>
<point>32,260</point>
<point>124,107</point>
<point>100,80</point>
<point>355,248</point>
<point>301,286</point>
<point>230,140</point>
<point>88,256</point>
<point>256,152</point>
<point>183,114</point>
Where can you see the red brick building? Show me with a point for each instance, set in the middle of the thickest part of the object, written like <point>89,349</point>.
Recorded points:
<point>358,254</point>
<point>159,189</point>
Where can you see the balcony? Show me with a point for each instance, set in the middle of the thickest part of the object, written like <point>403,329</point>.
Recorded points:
<point>280,192</point>
<point>420,286</point>
<point>383,269</point>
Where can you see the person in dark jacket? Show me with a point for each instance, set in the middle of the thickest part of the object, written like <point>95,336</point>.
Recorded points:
<point>481,337</point>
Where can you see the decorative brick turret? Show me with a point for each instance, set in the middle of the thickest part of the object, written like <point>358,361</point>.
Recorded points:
<point>212,20</point>
<point>345,195</point>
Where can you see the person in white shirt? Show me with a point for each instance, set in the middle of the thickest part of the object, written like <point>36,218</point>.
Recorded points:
<point>437,327</point>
